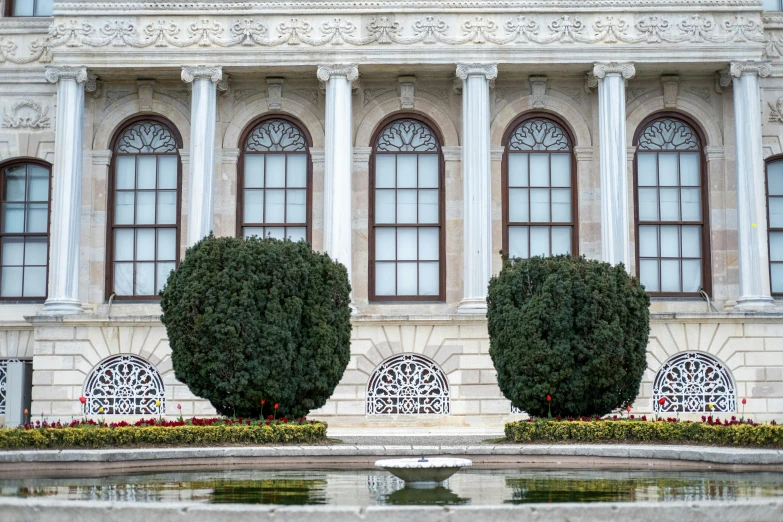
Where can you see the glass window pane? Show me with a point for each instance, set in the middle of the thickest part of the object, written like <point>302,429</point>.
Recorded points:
<point>670,204</point>
<point>384,170</point>
<point>517,242</point>
<point>44,7</point>
<point>539,241</point>
<point>385,278</point>
<point>15,183</point>
<point>34,251</point>
<point>771,5</point>
<point>428,171</point>
<point>776,212</point>
<point>297,170</point>
<point>428,206</point>
<point>39,184</point>
<point>429,244</point>
<point>406,206</point>
<point>126,173</point>
<point>689,169</point>
<point>670,241</point>
<point>385,206</point>
<point>667,169</point>
<point>254,171</point>
<point>23,8</point>
<point>648,204</point>
<point>775,178</point>
<point>670,275</point>
<point>145,208</point>
<point>123,278</point>
<point>253,231</point>
<point>167,244</point>
<point>275,170</point>
<point>561,170</point>
<point>37,217</point>
<point>561,205</point>
<point>145,279</point>
<point>35,281</point>
<point>275,232</point>
<point>123,244</point>
<point>561,240</point>
<point>691,241</point>
<point>776,246</point>
<point>13,217</point>
<point>429,279</point>
<point>777,277</point>
<point>385,244</point>
<point>646,163</point>
<point>539,205</point>
<point>406,171</point>
<point>163,269</point>
<point>406,244</point>
<point>691,204</point>
<point>517,170</point>
<point>11,282</point>
<point>123,208</point>
<point>145,244</point>
<point>167,207</point>
<point>406,279</point>
<point>648,241</point>
<point>296,206</point>
<point>649,275</point>
<point>167,172</point>
<point>296,233</point>
<point>691,275</point>
<point>253,206</point>
<point>275,205</point>
<point>13,251</point>
<point>146,176</point>
<point>518,205</point>
<point>539,170</point>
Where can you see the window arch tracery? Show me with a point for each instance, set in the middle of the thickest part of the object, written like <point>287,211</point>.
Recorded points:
<point>689,382</point>
<point>124,385</point>
<point>408,384</point>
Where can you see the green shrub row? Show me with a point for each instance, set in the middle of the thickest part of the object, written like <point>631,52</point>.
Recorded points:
<point>759,435</point>
<point>104,437</point>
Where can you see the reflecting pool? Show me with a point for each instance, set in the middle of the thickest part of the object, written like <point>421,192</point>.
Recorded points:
<point>372,487</point>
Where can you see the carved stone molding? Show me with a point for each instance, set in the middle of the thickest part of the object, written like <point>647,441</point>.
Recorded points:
<point>229,156</point>
<point>583,153</point>
<point>275,93</point>
<point>441,93</point>
<point>714,153</point>
<point>671,89</point>
<point>626,70</point>
<point>496,153</point>
<point>776,110</point>
<point>488,70</point>
<point>538,91</point>
<point>407,87</point>
<point>146,88</point>
<point>214,74</point>
<point>452,153</point>
<point>348,71</point>
<point>371,94</point>
<point>101,157</point>
<point>26,114</point>
<point>737,69</point>
<point>93,85</point>
<point>243,94</point>
<point>722,81</point>
<point>591,82</point>
<point>361,155</point>
<point>65,72</point>
<point>701,92</point>
<point>318,155</point>
<point>184,155</point>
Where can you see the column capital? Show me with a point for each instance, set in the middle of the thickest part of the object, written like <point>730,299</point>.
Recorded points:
<point>55,74</point>
<point>737,69</point>
<point>583,153</point>
<point>349,71</point>
<point>624,69</point>
<point>213,73</point>
<point>487,70</point>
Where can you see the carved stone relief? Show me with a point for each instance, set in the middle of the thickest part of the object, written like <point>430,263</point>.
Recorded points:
<point>26,114</point>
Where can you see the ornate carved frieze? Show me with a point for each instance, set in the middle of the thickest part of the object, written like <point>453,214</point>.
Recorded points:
<point>146,89</point>
<point>310,95</point>
<point>371,94</point>
<point>538,91</point>
<point>113,96</point>
<point>243,94</point>
<point>275,93</point>
<point>26,114</point>
<point>776,111</point>
<point>407,87</point>
<point>671,89</point>
<point>701,92</point>
<point>441,93</point>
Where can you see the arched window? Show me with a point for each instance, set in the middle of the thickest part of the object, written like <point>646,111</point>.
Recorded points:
<point>406,214</point>
<point>144,189</point>
<point>24,230</point>
<point>775,222</point>
<point>408,384</point>
<point>124,385</point>
<point>275,181</point>
<point>691,382</point>
<point>539,182</point>
<point>672,237</point>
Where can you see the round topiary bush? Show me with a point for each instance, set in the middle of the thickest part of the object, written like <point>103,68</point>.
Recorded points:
<point>258,319</point>
<point>570,328</point>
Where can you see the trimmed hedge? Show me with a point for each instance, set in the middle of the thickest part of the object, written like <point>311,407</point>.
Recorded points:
<point>681,432</point>
<point>103,437</point>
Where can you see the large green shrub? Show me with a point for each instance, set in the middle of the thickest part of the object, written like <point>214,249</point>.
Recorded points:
<point>570,328</point>
<point>258,319</point>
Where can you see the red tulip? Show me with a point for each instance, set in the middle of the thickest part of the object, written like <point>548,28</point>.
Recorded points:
<point>628,408</point>
<point>25,411</point>
<point>548,398</point>
<point>263,402</point>
<point>83,399</point>
<point>661,401</point>
<point>744,401</point>
<point>277,405</point>
<point>179,406</point>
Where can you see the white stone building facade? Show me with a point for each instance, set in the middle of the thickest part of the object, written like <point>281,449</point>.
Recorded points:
<point>412,141</point>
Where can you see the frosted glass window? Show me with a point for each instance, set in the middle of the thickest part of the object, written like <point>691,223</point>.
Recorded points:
<point>406,206</point>
<point>649,275</point>
<point>385,278</point>
<point>34,282</point>
<point>670,204</point>
<point>777,277</point>
<point>275,206</point>
<point>518,205</point>
<point>691,275</point>
<point>385,244</point>
<point>689,169</point>
<point>776,212</point>
<point>647,164</point>
<point>167,172</point>
<point>539,241</point>
<point>648,204</point>
<point>167,243</point>
<point>561,205</point>
<point>275,232</point>
<point>145,244</point>
<point>518,242</point>
<point>124,244</point>
<point>776,246</point>
<point>670,241</point>
<point>254,171</point>
<point>162,274</point>
<point>407,171</point>
<point>667,169</point>
<point>429,246</point>
<point>385,206</point>
<point>429,283</point>
<point>561,241</point>
<point>670,276</point>
<point>275,171</point>
<point>539,170</point>
<point>407,239</point>
<point>428,206</point>
<point>167,207</point>
<point>296,171</point>
<point>561,170</point>
<point>539,205</point>
<point>691,204</point>
<point>775,178</point>
<point>144,279</point>
<point>518,170</point>
<point>11,279</point>
<point>145,208</point>
<point>253,209</point>
<point>691,241</point>
<point>428,170</point>
<point>146,173</point>
<point>13,251</point>
<point>775,223</point>
<point>39,184</point>
<point>32,7</point>
<point>296,233</point>
<point>648,241</point>
<point>296,206</point>
<point>407,278</point>
<point>385,171</point>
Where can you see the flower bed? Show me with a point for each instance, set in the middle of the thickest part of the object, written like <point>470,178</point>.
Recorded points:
<point>711,431</point>
<point>157,432</point>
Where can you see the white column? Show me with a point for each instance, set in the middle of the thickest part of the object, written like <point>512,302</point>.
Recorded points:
<point>67,191</point>
<point>615,222</point>
<point>203,116</point>
<point>476,183</point>
<point>338,161</point>
<point>754,284</point>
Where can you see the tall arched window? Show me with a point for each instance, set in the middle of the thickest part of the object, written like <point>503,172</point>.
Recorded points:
<point>539,181</point>
<point>775,222</point>
<point>24,229</point>
<point>144,187</point>
<point>274,181</point>
<point>406,213</point>
<point>672,237</point>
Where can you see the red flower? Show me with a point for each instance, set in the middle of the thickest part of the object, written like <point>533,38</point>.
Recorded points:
<point>263,402</point>
<point>662,401</point>
<point>628,408</point>
<point>548,398</point>
<point>744,401</point>
<point>277,405</point>
<point>83,399</point>
<point>179,406</point>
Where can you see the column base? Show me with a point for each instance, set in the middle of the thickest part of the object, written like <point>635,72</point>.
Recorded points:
<point>755,303</point>
<point>61,307</point>
<point>472,305</point>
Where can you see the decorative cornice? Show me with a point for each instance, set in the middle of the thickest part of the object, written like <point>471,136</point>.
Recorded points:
<point>65,72</point>
<point>214,74</point>
<point>348,71</point>
<point>101,157</point>
<point>714,152</point>
<point>487,70</point>
<point>452,153</point>
<point>361,155</point>
<point>737,69</point>
<point>229,156</point>
<point>626,70</point>
<point>317,154</point>
<point>583,153</point>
